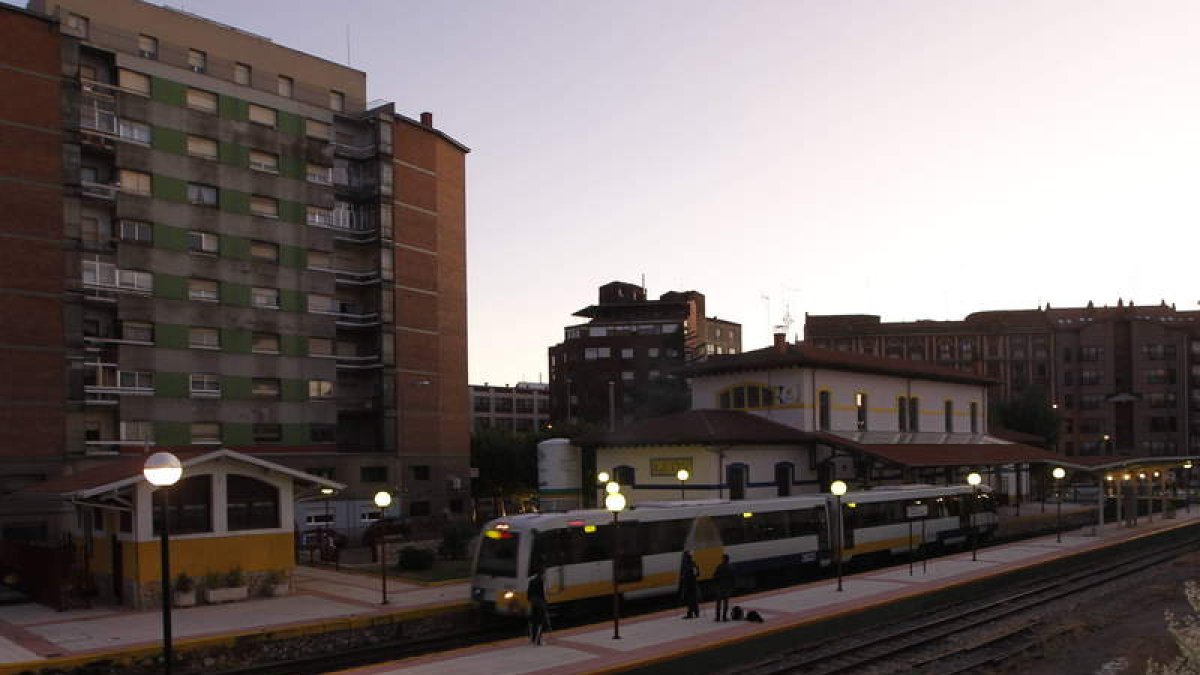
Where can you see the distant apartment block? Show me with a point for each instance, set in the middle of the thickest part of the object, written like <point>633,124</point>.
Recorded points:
<point>630,350</point>
<point>1126,373</point>
<point>524,408</point>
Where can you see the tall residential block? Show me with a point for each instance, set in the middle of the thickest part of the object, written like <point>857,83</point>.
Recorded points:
<point>221,243</point>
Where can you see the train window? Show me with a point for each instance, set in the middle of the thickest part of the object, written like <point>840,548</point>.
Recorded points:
<point>664,536</point>
<point>498,556</point>
<point>730,528</point>
<point>550,548</point>
<point>767,526</point>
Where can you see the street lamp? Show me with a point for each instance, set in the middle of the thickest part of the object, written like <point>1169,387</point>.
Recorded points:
<point>162,470</point>
<point>614,501</point>
<point>838,488</point>
<point>682,475</point>
<point>974,479</point>
<point>1059,473</point>
<point>1187,490</point>
<point>383,499</point>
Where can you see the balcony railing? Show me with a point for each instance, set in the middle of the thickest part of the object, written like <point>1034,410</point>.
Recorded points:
<point>105,191</point>
<point>359,362</point>
<point>356,319</point>
<point>349,278</point>
<point>356,151</point>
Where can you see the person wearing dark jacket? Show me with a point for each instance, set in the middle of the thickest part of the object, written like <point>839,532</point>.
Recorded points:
<point>539,613</point>
<point>723,576</point>
<point>689,585</point>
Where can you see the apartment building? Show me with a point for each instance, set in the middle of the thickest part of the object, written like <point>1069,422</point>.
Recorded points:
<point>524,408</point>
<point>630,351</point>
<point>254,259</point>
<point>1125,379</point>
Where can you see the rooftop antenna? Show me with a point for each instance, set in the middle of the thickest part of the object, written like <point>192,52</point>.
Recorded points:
<point>785,324</point>
<point>643,282</point>
<point>347,44</point>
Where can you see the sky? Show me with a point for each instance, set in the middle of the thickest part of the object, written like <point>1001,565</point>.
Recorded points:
<point>907,159</point>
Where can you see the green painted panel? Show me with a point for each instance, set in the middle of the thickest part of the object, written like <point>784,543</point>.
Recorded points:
<point>236,248</point>
<point>166,91</point>
<point>171,335</point>
<point>293,390</point>
<point>293,256</point>
<point>292,212</point>
<point>235,294</point>
<point>171,189</point>
<point>237,434</point>
<point>289,124</point>
<point>233,154</point>
<point>296,434</point>
<point>235,387</point>
<point>170,286</point>
<point>172,433</point>
<point>292,167</point>
<point>171,385</point>
<point>292,301</point>
<point>168,140</point>
<point>170,238</point>
<point>293,345</point>
<point>232,108</point>
<point>235,201</point>
<point>236,341</point>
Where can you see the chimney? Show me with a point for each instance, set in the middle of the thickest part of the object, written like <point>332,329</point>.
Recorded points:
<point>427,119</point>
<point>780,342</point>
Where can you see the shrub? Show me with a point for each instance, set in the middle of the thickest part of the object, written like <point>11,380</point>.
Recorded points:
<point>412,558</point>
<point>214,580</point>
<point>184,583</point>
<point>274,577</point>
<point>235,578</point>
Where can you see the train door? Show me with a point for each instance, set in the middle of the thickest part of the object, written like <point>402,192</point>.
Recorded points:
<point>704,541</point>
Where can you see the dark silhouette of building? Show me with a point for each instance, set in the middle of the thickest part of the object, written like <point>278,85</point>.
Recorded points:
<point>625,359</point>
<point>1125,380</point>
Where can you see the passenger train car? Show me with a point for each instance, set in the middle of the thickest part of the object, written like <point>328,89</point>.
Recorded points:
<point>576,548</point>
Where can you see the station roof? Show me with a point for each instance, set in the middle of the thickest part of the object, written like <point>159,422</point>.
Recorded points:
<point>1110,463</point>
<point>960,454</point>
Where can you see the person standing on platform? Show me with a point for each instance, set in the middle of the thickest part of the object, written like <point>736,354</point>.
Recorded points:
<point>539,613</point>
<point>723,576</point>
<point>689,585</point>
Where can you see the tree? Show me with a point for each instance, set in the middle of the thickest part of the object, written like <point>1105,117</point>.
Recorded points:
<point>1029,412</point>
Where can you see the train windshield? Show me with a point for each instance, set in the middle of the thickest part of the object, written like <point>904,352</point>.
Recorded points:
<point>498,555</point>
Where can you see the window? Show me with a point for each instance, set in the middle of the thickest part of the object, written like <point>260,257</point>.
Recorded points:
<point>133,379</point>
<point>241,73</point>
<point>77,25</point>
<point>262,115</point>
<point>746,396</point>
<point>784,475</point>
<point>206,432</point>
<point>974,417</point>
<point>949,417</point>
<point>205,386</point>
<point>96,273</point>
<point>203,242</point>
<point>202,290</point>
<point>190,508</point>
<point>264,207</point>
<point>319,217</point>
<point>197,60</point>
<point>373,474</point>
<point>265,343</point>
<point>284,86</point>
<point>421,472</point>
<point>202,195</point>
<point>135,132</point>
<point>627,352</point>
<point>132,81</point>
<point>902,413</point>
<point>320,304</point>
<point>315,129</point>
<point>624,475</point>
<point>914,414</point>
<point>136,331</point>
<point>320,346</point>
<point>204,101</point>
<point>824,410</point>
<point>137,431</point>
<point>627,376</point>
<point>322,175</point>
<point>134,182</point>
<point>135,281</point>
<point>264,251</point>
<point>264,161</point>
<point>267,432</point>
<point>251,504</point>
<point>137,231</point>
<point>1091,353</point>
<point>860,406</point>
<point>652,352</point>
<point>204,338</point>
<point>198,146</point>
<point>265,387</point>
<point>337,101</point>
<point>593,353</point>
<point>320,389</point>
<point>266,298</point>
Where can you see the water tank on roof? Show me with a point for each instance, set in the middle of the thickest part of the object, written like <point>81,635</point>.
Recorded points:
<point>558,475</point>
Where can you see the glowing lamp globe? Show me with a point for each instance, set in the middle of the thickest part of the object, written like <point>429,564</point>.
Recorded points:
<point>682,475</point>
<point>612,487</point>
<point>838,487</point>
<point>974,479</point>
<point>383,499</point>
<point>614,502</point>
<point>162,469</point>
<point>1059,473</point>
<point>603,477</point>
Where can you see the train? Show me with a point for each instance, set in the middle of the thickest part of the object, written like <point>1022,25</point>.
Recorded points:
<point>575,549</point>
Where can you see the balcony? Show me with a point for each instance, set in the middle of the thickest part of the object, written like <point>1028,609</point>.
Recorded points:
<point>355,151</point>
<point>354,362</point>
<point>103,191</point>
<point>350,278</point>
<point>351,317</point>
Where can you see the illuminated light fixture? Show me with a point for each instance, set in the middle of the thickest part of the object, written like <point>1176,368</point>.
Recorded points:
<point>1141,476</point>
<point>1156,474</point>
<point>603,477</point>
<point>853,505</point>
<point>974,479</point>
<point>1108,477</point>
<point>162,469</point>
<point>1059,473</point>
<point>1128,476</point>
<point>683,474</point>
<point>838,487</point>
<point>502,526</point>
<point>612,487</point>
<point>383,499</point>
<point>575,523</point>
<point>1187,464</point>
<point>326,491</point>
<point>491,534</point>
<point>589,529</point>
<point>509,595</point>
<point>747,514</point>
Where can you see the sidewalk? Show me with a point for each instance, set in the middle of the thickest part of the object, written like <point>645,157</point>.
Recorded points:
<point>30,633</point>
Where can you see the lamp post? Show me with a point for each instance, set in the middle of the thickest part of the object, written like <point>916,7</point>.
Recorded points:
<point>1059,473</point>
<point>974,479</point>
<point>162,470</point>
<point>383,499</point>
<point>682,475</point>
<point>838,488</point>
<point>614,501</point>
<point>1149,496</point>
<point>1187,488</point>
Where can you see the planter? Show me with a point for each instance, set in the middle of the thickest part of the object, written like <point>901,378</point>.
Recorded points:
<point>185,598</point>
<point>278,590</point>
<point>215,596</point>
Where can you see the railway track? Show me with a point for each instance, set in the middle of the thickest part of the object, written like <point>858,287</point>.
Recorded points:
<point>964,638</point>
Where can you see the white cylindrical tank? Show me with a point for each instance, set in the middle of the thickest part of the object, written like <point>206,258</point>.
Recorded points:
<point>558,475</point>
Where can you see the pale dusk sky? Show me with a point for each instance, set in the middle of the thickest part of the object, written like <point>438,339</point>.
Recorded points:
<point>908,159</point>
